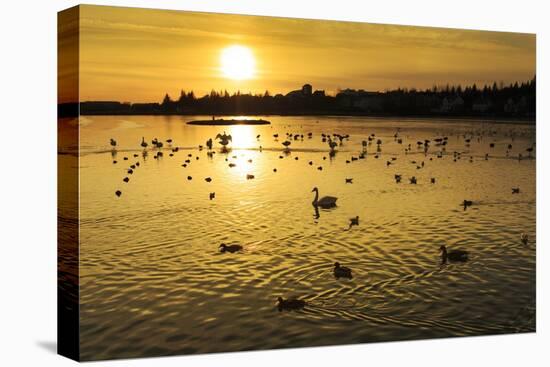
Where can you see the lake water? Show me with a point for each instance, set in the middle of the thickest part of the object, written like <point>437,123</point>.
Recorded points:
<point>153,282</point>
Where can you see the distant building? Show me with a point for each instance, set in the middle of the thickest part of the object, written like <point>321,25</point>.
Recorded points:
<point>452,104</point>
<point>319,93</point>
<point>306,91</point>
<point>481,105</point>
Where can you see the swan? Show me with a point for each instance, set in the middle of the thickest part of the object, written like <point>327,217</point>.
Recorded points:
<point>325,202</point>
<point>290,304</point>
<point>230,248</point>
<point>143,142</point>
<point>453,255</point>
<point>342,271</point>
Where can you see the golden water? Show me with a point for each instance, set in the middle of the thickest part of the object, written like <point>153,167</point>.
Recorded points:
<point>153,281</point>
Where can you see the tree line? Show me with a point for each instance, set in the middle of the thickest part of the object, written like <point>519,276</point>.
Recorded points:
<point>496,100</point>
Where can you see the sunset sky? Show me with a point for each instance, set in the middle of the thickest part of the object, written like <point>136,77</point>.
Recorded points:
<point>138,55</point>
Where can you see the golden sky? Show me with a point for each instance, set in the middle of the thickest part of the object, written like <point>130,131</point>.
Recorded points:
<point>129,54</point>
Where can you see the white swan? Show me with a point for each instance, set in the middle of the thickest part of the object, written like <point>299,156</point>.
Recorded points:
<point>325,202</point>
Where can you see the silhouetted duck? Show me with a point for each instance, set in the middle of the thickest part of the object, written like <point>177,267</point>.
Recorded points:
<point>349,180</point>
<point>453,255</point>
<point>524,238</point>
<point>130,171</point>
<point>432,180</point>
<point>208,179</point>
<point>249,177</point>
<point>467,203</point>
<point>397,178</point>
<point>118,193</point>
<point>413,180</point>
<point>212,195</point>
<point>353,222</point>
<point>515,190</point>
<point>189,178</point>
<point>342,271</point>
<point>290,304</point>
<point>232,164</point>
<point>125,179</point>
<point>113,142</point>
<point>143,142</point>
<point>230,248</point>
<point>114,162</point>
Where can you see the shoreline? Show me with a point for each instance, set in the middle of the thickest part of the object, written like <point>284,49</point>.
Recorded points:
<point>483,119</point>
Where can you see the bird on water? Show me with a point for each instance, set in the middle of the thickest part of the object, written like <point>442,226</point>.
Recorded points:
<point>452,255</point>
<point>290,304</point>
<point>342,271</point>
<point>230,248</point>
<point>325,202</point>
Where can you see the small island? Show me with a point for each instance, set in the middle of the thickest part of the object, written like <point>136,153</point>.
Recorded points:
<point>223,122</point>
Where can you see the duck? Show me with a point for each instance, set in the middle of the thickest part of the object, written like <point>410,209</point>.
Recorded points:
<point>413,180</point>
<point>126,179</point>
<point>290,304</point>
<point>515,190</point>
<point>212,195</point>
<point>525,238</point>
<point>453,255</point>
<point>432,180</point>
<point>467,203</point>
<point>143,142</point>
<point>113,142</point>
<point>249,176</point>
<point>349,180</point>
<point>353,222</point>
<point>208,179</point>
<point>118,193</point>
<point>397,178</point>
<point>325,202</point>
<point>342,271</point>
<point>230,248</point>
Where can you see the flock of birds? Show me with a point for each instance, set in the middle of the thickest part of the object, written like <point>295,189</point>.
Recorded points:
<point>329,202</point>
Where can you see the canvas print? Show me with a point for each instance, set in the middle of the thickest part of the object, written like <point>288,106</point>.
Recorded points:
<point>234,183</point>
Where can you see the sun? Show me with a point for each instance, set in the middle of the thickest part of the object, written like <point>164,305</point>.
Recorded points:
<point>237,63</point>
